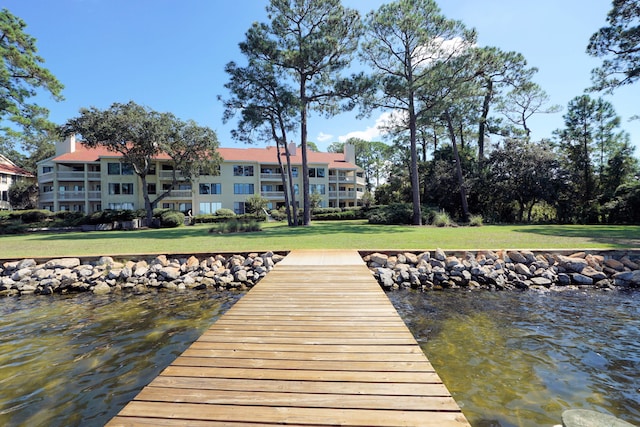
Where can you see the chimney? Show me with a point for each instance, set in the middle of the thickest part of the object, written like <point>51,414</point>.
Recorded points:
<point>292,148</point>
<point>66,146</point>
<point>349,153</point>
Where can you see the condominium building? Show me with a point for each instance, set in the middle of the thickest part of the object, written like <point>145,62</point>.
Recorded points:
<point>87,180</point>
<point>9,173</point>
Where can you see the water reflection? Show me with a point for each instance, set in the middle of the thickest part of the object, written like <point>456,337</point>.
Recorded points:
<point>521,359</point>
<point>77,360</point>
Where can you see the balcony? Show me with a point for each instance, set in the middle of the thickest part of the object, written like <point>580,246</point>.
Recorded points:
<point>45,177</point>
<point>343,194</point>
<point>71,195</point>
<point>180,194</point>
<point>46,197</point>
<point>270,177</point>
<point>168,175</point>
<point>272,194</point>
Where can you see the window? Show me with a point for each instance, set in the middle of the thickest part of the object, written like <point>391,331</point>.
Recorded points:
<point>121,206</point>
<point>127,169</point>
<point>114,188</point>
<point>151,188</point>
<point>113,168</point>
<point>209,208</point>
<point>5,196</point>
<point>215,188</point>
<point>271,187</point>
<point>78,188</point>
<point>269,170</point>
<point>317,188</point>
<point>238,208</point>
<point>316,172</point>
<point>294,171</point>
<point>242,170</point>
<point>152,169</point>
<point>47,169</point>
<point>168,206</point>
<point>47,188</point>
<point>296,189</point>
<point>242,188</point>
<point>127,188</point>
<point>184,187</point>
<point>184,207</point>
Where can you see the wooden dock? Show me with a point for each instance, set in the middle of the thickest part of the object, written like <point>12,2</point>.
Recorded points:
<point>315,343</point>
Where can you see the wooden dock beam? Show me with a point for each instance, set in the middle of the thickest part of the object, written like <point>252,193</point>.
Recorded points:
<point>315,343</point>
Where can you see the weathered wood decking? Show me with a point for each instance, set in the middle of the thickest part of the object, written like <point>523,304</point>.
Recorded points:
<point>315,343</point>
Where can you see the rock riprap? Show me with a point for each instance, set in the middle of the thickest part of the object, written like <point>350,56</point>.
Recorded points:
<point>105,275</point>
<point>504,270</point>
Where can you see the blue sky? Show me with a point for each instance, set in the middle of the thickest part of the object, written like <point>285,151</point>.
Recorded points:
<point>169,55</point>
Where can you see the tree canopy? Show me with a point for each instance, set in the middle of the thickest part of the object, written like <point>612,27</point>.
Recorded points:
<point>619,46</point>
<point>407,43</point>
<point>309,42</point>
<point>140,135</point>
<point>22,75</point>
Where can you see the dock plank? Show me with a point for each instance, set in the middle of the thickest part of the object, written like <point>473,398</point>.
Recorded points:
<point>310,345</point>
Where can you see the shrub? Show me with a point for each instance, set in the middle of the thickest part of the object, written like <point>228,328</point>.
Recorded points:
<point>157,212</point>
<point>13,228</point>
<point>339,215</point>
<point>171,219</point>
<point>35,215</point>
<point>396,213</point>
<point>235,225</point>
<point>442,219</point>
<point>278,214</point>
<point>475,221</point>
<point>225,212</point>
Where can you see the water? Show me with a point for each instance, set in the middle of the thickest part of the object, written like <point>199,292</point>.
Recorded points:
<point>77,360</point>
<point>509,358</point>
<point>521,359</point>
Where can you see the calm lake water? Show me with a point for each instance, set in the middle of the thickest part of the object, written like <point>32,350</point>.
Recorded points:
<point>509,358</point>
<point>522,358</point>
<point>77,360</point>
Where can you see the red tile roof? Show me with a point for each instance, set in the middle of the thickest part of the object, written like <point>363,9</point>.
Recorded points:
<point>250,155</point>
<point>269,156</point>
<point>11,169</point>
<point>84,154</point>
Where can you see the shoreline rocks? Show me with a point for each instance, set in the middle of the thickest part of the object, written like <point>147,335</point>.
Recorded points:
<point>105,275</point>
<point>504,270</point>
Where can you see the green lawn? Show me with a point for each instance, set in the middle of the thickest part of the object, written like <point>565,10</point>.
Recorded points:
<point>320,235</point>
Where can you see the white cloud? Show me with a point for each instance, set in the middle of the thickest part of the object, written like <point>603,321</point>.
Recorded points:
<point>440,48</point>
<point>323,137</point>
<point>375,132</point>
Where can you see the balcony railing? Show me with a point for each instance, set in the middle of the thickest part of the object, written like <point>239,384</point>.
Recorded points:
<point>169,175</point>
<point>180,194</point>
<point>343,194</point>
<point>46,197</point>
<point>69,176</point>
<point>272,194</point>
<point>271,176</point>
<point>71,195</point>
<point>45,177</point>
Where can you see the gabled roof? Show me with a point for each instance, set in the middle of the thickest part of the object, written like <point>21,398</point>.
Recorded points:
<point>10,168</point>
<point>84,154</point>
<point>268,155</point>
